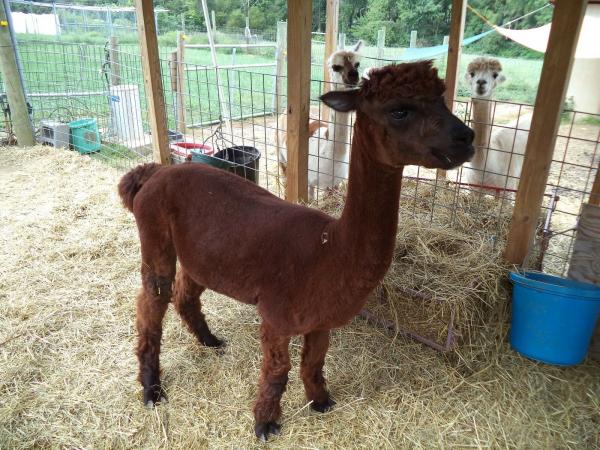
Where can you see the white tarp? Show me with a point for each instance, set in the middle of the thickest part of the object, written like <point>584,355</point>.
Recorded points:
<point>588,46</point>
<point>36,23</point>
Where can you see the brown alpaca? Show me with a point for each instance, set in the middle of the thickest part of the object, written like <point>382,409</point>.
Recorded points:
<point>305,271</point>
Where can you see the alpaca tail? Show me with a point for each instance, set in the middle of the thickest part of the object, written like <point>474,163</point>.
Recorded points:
<point>133,181</point>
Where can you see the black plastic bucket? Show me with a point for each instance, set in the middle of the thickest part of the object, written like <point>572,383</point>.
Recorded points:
<point>244,161</point>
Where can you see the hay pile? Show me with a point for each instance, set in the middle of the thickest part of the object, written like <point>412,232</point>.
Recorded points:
<point>69,260</point>
<point>448,267</point>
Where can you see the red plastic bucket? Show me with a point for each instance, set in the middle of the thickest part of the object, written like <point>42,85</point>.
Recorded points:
<point>184,149</point>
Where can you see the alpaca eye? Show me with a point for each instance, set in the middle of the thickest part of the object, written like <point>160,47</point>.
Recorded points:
<point>356,65</point>
<point>399,114</point>
<point>495,75</point>
<point>336,68</point>
<point>472,74</point>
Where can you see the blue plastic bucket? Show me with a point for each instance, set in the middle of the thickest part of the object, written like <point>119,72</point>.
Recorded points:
<point>553,318</point>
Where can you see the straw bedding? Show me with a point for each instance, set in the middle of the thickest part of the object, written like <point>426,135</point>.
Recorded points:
<point>69,259</point>
<point>445,264</point>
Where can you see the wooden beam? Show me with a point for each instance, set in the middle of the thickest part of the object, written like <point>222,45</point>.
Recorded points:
<point>181,82</point>
<point>153,80</point>
<point>15,91</point>
<point>380,46</point>
<point>298,44</point>
<point>595,194</point>
<point>331,32</point>
<point>457,28</point>
<point>413,39</point>
<point>279,82</point>
<point>115,66</point>
<point>562,43</point>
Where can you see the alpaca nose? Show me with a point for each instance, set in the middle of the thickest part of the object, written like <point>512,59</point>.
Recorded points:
<point>463,134</point>
<point>353,73</point>
<point>481,82</point>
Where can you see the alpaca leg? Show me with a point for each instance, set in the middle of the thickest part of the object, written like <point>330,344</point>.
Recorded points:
<point>272,383</point>
<point>186,298</point>
<point>158,273</point>
<point>152,304</point>
<point>315,348</point>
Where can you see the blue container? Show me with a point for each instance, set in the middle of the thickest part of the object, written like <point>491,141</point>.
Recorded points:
<point>553,318</point>
<point>85,137</point>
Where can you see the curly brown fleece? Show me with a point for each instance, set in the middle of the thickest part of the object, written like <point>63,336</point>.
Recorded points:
<point>403,80</point>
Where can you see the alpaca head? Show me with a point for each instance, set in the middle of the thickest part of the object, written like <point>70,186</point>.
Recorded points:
<point>483,75</point>
<point>343,66</point>
<point>402,109</point>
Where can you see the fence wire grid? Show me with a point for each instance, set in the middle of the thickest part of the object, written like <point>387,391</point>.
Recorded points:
<point>241,111</point>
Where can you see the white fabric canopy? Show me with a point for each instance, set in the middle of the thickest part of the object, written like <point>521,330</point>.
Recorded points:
<point>36,23</point>
<point>537,38</point>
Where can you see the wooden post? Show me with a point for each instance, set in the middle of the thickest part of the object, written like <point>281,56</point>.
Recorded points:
<point>173,70</point>
<point>280,56</point>
<point>173,80</point>
<point>342,41</point>
<point>85,22</point>
<point>331,31</point>
<point>380,45</point>
<point>584,260</point>
<point>181,82</point>
<point>213,23</point>
<point>15,90</point>
<point>248,34</point>
<point>413,38</point>
<point>556,70</point>
<point>457,28</point>
<point>115,66</point>
<point>595,194</point>
<point>279,76</point>
<point>298,40</point>
<point>107,23</point>
<point>583,266</point>
<point>153,80</point>
<point>445,41</point>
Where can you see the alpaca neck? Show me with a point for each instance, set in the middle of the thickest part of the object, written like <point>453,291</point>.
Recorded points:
<point>482,119</point>
<point>339,134</point>
<point>367,228</point>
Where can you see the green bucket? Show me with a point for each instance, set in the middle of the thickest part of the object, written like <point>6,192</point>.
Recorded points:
<point>85,137</point>
<point>219,163</point>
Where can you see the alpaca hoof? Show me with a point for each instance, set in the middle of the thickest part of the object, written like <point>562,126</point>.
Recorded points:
<point>153,396</point>
<point>327,405</point>
<point>213,342</point>
<point>150,404</point>
<point>264,429</point>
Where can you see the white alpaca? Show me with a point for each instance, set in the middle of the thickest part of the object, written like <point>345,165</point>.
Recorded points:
<point>499,150</point>
<point>328,152</point>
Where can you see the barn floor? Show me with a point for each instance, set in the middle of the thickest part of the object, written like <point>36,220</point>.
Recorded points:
<point>69,261</point>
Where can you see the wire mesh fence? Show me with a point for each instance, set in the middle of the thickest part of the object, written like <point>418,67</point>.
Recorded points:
<point>234,118</point>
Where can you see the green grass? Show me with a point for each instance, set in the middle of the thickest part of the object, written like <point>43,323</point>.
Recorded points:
<point>591,120</point>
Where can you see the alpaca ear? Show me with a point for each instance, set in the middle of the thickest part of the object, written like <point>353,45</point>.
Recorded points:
<point>468,77</point>
<point>341,101</point>
<point>500,78</point>
<point>358,46</point>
